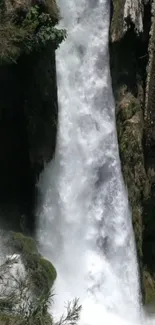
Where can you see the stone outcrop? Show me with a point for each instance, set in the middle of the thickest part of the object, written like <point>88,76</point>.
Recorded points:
<point>132,69</point>
<point>126,13</point>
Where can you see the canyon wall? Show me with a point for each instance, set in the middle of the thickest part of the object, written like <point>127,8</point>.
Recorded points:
<point>132,69</point>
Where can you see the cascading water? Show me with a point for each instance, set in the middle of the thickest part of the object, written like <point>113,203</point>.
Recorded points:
<point>85,224</point>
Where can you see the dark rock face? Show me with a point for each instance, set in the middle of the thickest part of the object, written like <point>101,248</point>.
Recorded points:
<point>132,69</point>
<point>28,120</point>
<point>15,172</point>
<point>28,104</point>
<point>40,105</point>
<point>28,124</point>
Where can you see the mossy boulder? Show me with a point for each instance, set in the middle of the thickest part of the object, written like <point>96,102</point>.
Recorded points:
<point>41,272</point>
<point>117,23</point>
<point>23,244</point>
<point>149,286</point>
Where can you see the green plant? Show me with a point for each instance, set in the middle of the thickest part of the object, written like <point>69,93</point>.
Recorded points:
<point>28,34</point>
<point>73,313</point>
<point>41,30</point>
<point>18,304</point>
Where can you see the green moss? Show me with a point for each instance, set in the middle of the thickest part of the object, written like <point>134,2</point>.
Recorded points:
<point>49,269</point>
<point>149,286</point>
<point>42,273</point>
<point>23,244</point>
<point>128,106</point>
<point>117,20</point>
<point>130,136</point>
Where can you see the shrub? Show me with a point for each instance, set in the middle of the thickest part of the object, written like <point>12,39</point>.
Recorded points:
<point>27,34</point>
<point>19,306</point>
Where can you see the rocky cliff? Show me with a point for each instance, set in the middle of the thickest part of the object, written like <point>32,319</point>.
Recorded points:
<point>28,104</point>
<point>28,123</point>
<point>133,69</point>
<point>28,112</point>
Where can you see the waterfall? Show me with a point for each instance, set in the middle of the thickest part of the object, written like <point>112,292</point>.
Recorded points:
<point>85,224</point>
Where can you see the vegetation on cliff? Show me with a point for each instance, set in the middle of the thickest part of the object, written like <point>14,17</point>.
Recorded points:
<point>130,135</point>
<point>132,67</point>
<point>18,303</point>
<point>28,28</point>
<point>26,279</point>
<point>40,270</point>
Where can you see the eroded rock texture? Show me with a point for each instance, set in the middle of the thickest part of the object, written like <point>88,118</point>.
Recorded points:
<point>132,68</point>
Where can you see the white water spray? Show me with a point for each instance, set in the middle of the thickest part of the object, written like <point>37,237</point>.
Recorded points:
<point>85,223</point>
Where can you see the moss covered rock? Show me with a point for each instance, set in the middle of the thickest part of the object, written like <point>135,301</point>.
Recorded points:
<point>41,272</point>
<point>117,24</point>
<point>130,136</point>
<point>22,244</point>
<point>133,88</point>
<point>149,285</point>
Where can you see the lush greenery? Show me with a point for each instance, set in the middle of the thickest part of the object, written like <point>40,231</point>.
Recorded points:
<point>26,33</point>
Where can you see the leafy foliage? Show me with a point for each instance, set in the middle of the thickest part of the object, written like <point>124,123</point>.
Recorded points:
<point>40,30</point>
<point>27,34</point>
